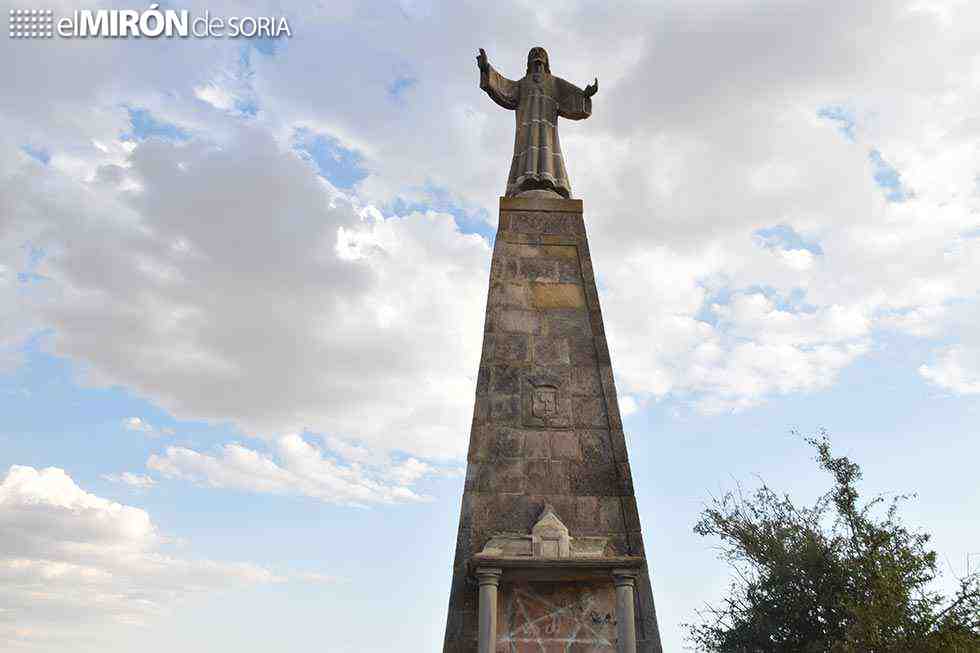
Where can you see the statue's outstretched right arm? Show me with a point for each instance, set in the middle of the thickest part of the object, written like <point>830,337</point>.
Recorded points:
<point>503,91</point>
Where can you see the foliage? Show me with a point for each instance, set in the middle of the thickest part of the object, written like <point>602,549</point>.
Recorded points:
<point>841,576</point>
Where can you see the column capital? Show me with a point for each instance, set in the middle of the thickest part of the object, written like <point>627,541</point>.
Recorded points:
<point>488,575</point>
<point>624,576</point>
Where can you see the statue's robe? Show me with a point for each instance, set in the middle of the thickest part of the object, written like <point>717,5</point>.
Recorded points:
<point>538,162</point>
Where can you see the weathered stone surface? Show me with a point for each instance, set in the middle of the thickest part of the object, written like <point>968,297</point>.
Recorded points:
<point>510,348</point>
<point>550,351</point>
<point>556,617</point>
<point>565,445</point>
<point>546,425</point>
<point>512,320</point>
<point>557,295</point>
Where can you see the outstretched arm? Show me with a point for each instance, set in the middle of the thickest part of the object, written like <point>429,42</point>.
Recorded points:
<point>575,103</point>
<point>505,92</point>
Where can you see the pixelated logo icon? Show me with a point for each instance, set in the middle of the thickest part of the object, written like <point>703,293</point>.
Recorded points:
<point>31,23</point>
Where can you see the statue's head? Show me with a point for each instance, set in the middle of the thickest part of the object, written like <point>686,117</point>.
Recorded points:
<point>537,60</point>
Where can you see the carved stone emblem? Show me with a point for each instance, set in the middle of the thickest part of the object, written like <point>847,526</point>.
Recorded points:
<point>544,403</point>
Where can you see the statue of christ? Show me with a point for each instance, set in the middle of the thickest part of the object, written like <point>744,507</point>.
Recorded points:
<point>539,98</point>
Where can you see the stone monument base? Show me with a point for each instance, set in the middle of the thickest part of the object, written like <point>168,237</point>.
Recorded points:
<point>549,554</point>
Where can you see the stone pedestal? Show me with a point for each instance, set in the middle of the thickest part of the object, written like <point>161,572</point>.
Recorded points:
<point>547,429</point>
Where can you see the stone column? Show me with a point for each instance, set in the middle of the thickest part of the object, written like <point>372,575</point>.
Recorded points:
<point>489,578</point>
<point>625,616</point>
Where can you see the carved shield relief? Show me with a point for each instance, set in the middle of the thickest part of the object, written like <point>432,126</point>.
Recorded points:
<point>545,403</point>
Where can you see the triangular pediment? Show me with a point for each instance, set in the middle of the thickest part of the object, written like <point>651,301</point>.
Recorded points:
<point>549,522</point>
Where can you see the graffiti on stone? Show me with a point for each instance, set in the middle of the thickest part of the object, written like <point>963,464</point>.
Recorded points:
<point>546,617</point>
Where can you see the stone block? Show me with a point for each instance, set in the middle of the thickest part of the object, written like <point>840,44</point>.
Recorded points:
<point>547,477</point>
<point>505,379</point>
<point>587,478</point>
<point>513,513</point>
<point>567,252</point>
<point>487,354</point>
<point>569,272</point>
<point>630,513</point>
<point>504,268</point>
<point>557,295</point>
<point>505,409</point>
<point>562,224</point>
<point>611,515</point>
<point>568,322</point>
<point>625,479</point>
<point>471,482</point>
<point>537,445</point>
<point>620,544</point>
<point>601,350</point>
<point>585,381</point>
<point>549,350</point>
<point>636,543</point>
<point>519,250</point>
<point>592,300</point>
<point>539,269</point>
<point>505,443</point>
<point>509,294</point>
<point>513,320</point>
<point>483,380</point>
<point>481,410</point>
<point>587,514</point>
<point>590,412</point>
<point>565,446</point>
<point>596,321</point>
<point>581,351</point>
<point>503,475</point>
<point>563,504</point>
<point>511,348</point>
<point>596,446</point>
<point>539,480</point>
<point>512,205</point>
<point>618,440</point>
<point>478,445</point>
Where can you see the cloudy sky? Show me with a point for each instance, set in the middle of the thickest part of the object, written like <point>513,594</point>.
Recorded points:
<point>242,287</point>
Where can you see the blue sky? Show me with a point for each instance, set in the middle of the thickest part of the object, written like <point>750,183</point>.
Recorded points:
<point>242,289</point>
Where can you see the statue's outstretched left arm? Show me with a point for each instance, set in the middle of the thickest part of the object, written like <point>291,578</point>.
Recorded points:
<point>575,103</point>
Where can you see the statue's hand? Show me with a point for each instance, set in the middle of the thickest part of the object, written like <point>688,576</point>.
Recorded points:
<point>481,61</point>
<point>592,88</point>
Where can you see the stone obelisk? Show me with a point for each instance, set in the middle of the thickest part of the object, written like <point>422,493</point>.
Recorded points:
<point>549,554</point>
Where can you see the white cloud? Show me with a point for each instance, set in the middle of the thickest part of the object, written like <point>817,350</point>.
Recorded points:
<point>224,263</point>
<point>380,348</point>
<point>298,468</point>
<point>216,96</point>
<point>137,424</point>
<point>141,481</point>
<point>72,562</point>
<point>140,425</point>
<point>956,369</point>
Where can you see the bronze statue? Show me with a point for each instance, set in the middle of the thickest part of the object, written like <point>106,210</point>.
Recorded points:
<point>539,99</point>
